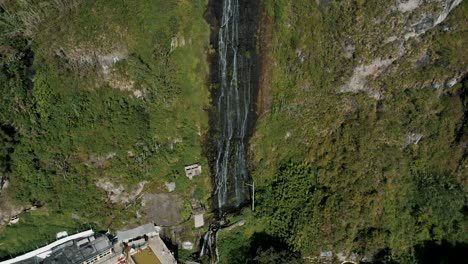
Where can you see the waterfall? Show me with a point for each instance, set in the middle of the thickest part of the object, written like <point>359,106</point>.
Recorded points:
<point>234,106</point>
<point>235,73</point>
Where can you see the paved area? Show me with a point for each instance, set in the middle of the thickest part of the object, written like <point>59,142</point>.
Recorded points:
<point>163,209</point>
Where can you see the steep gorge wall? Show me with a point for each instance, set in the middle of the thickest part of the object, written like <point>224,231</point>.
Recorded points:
<point>234,78</point>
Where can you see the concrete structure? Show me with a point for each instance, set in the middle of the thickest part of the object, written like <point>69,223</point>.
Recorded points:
<point>161,251</point>
<point>148,230</point>
<point>198,218</point>
<point>187,245</point>
<point>170,186</point>
<point>193,170</point>
<point>142,237</point>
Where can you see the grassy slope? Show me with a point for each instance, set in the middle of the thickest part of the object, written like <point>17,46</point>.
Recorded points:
<point>365,191</point>
<point>77,114</point>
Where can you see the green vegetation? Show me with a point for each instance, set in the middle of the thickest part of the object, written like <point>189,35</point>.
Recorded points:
<point>115,90</point>
<point>250,243</point>
<point>32,237</point>
<point>99,90</point>
<point>337,171</point>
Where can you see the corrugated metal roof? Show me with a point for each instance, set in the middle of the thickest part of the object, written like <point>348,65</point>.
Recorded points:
<point>30,257</point>
<point>77,254</point>
<point>142,230</point>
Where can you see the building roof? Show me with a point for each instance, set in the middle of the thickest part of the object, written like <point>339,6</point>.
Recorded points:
<point>73,251</point>
<point>31,257</point>
<point>34,260</point>
<point>193,166</point>
<point>78,251</point>
<point>193,170</point>
<point>147,229</point>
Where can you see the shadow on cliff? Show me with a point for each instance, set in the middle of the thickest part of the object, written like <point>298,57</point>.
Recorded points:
<point>429,252</point>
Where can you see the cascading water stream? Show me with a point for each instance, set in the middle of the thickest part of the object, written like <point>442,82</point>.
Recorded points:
<point>235,107</point>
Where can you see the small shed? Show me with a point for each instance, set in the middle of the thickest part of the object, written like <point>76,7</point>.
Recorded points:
<point>193,170</point>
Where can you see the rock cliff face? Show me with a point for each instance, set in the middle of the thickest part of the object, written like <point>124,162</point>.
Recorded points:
<point>405,22</point>
<point>366,105</point>
<point>7,210</point>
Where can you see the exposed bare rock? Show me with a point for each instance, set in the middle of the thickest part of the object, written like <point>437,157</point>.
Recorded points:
<point>412,139</point>
<point>449,6</point>
<point>455,79</point>
<point>137,93</point>
<point>115,79</point>
<point>118,194</point>
<point>300,55</point>
<point>107,60</point>
<point>174,142</point>
<point>408,5</point>
<point>349,50</point>
<point>99,161</point>
<point>390,39</point>
<point>82,55</point>
<point>121,83</point>
<point>87,58</point>
<point>3,184</point>
<point>448,81</point>
<point>7,210</point>
<point>418,19</point>
<point>358,81</point>
<point>75,216</point>
<point>177,42</point>
<point>170,186</point>
<point>428,20</point>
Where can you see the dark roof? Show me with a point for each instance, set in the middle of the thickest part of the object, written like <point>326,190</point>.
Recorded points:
<point>198,210</point>
<point>79,250</point>
<point>33,260</point>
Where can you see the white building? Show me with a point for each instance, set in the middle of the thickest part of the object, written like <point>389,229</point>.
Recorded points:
<point>193,170</point>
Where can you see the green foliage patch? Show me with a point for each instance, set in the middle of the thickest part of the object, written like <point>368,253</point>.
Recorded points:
<point>106,90</point>
<point>338,171</point>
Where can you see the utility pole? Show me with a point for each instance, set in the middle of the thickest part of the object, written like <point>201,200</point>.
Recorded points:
<point>253,194</point>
